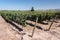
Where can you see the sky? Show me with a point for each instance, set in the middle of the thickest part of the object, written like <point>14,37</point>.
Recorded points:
<point>27,4</point>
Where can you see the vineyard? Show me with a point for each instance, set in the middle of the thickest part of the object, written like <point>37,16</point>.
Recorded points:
<point>21,17</point>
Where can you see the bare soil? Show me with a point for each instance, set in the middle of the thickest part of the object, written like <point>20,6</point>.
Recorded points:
<point>9,32</point>
<point>6,32</point>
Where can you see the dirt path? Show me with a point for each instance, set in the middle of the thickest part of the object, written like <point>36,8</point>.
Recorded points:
<point>6,32</point>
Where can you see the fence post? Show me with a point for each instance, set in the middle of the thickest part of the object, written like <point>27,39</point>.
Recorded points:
<point>34,26</point>
<point>21,38</point>
<point>52,22</point>
<point>50,25</point>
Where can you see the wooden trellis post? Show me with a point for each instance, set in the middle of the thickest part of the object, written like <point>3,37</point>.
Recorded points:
<point>50,25</point>
<point>34,26</point>
<point>21,37</point>
<point>52,22</point>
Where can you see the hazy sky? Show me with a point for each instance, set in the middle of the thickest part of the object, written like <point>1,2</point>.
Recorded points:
<point>27,4</point>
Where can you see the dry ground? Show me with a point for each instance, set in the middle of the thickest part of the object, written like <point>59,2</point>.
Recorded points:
<point>8,32</point>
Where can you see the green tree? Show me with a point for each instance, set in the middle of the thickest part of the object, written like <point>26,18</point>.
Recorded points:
<point>32,9</point>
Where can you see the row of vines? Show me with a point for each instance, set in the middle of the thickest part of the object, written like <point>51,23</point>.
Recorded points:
<point>21,16</point>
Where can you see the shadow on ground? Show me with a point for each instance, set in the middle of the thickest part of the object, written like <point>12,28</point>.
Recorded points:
<point>19,29</point>
<point>34,25</point>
